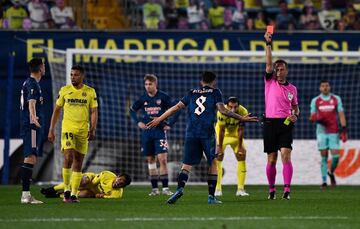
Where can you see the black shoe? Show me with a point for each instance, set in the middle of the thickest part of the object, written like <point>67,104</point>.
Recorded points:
<point>286,196</point>
<point>74,199</point>
<point>49,192</point>
<point>67,197</point>
<point>332,179</point>
<point>323,186</point>
<point>272,195</point>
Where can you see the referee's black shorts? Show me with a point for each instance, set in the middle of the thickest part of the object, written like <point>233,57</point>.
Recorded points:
<point>277,135</point>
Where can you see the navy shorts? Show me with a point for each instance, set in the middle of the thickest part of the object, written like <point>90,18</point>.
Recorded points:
<point>153,142</point>
<point>195,148</point>
<point>33,142</point>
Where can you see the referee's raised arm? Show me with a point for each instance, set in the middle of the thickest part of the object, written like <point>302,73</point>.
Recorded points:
<point>269,65</point>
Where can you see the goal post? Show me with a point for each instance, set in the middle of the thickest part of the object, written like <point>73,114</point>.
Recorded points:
<point>117,76</point>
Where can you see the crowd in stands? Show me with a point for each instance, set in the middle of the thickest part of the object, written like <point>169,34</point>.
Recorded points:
<point>237,15</point>
<point>250,15</point>
<point>36,14</point>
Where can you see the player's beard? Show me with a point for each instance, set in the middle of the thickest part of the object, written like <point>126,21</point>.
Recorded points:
<point>74,83</point>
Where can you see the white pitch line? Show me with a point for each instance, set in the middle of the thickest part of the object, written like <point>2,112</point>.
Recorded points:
<point>154,219</point>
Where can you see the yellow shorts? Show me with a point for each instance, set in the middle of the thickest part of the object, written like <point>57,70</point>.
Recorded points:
<point>77,140</point>
<point>233,142</point>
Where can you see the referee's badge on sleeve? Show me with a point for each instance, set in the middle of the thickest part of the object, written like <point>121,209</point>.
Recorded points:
<point>290,96</point>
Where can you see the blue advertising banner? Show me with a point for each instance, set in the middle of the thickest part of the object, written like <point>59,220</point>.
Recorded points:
<point>27,45</point>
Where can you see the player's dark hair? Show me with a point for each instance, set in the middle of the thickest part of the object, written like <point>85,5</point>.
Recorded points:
<point>324,81</point>
<point>281,61</point>
<point>35,64</point>
<point>232,99</point>
<point>127,178</point>
<point>208,77</point>
<point>151,78</point>
<point>78,68</point>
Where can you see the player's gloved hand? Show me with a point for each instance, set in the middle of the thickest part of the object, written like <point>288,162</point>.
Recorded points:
<point>343,134</point>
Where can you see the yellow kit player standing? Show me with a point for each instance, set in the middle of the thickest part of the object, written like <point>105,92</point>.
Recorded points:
<point>78,100</point>
<point>230,131</point>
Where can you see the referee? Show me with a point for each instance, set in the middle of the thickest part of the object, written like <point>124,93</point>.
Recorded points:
<point>281,113</point>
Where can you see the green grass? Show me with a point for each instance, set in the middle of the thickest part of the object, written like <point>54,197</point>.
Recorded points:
<point>308,208</point>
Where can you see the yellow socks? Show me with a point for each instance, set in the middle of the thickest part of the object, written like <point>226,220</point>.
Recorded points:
<point>75,182</point>
<point>219,177</point>
<point>66,174</point>
<point>241,174</point>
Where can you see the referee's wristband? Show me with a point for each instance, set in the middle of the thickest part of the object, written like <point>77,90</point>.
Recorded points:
<point>297,116</point>
<point>268,43</point>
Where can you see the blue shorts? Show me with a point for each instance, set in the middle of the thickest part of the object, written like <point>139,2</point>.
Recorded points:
<point>195,148</point>
<point>153,142</point>
<point>32,141</point>
<point>328,141</point>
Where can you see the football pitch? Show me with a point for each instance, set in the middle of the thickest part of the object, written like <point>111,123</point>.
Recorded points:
<point>308,208</point>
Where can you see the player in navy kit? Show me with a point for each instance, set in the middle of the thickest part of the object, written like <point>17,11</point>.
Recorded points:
<point>200,133</point>
<point>154,146</point>
<point>32,124</point>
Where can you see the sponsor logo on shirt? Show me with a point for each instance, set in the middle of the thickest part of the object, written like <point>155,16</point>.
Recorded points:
<point>327,108</point>
<point>80,101</point>
<point>152,110</point>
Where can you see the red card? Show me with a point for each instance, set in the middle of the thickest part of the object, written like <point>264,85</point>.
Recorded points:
<point>270,29</point>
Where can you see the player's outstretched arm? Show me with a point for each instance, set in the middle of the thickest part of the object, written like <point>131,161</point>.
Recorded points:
<point>269,65</point>
<point>172,110</point>
<point>54,118</point>
<point>247,118</point>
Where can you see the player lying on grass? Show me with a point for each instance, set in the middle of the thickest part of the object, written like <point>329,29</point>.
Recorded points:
<point>102,185</point>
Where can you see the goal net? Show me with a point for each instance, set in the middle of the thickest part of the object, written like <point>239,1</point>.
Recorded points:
<point>117,76</point>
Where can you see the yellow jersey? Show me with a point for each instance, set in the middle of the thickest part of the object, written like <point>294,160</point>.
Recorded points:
<point>16,17</point>
<point>76,104</point>
<point>231,124</point>
<point>102,183</point>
